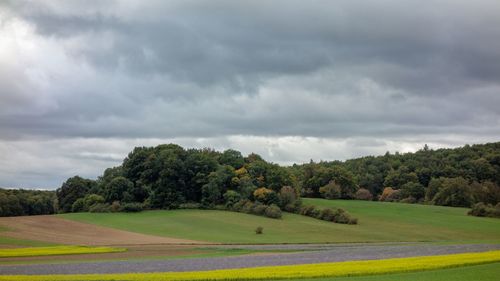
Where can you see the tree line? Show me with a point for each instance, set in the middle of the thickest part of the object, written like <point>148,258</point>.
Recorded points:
<point>170,177</point>
<point>460,177</point>
<point>18,202</point>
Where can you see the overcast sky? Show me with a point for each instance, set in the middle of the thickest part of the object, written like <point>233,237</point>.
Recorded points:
<point>83,82</point>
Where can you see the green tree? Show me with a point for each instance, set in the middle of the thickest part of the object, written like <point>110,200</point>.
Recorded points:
<point>454,192</point>
<point>219,182</point>
<point>232,158</point>
<point>71,190</point>
<point>413,190</point>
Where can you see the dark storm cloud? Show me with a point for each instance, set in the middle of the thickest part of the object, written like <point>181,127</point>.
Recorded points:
<point>287,77</point>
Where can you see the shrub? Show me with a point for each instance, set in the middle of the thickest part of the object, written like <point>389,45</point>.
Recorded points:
<point>259,209</point>
<point>394,196</point>
<point>327,215</point>
<point>93,199</point>
<point>331,191</point>
<point>132,207</point>
<point>220,207</point>
<point>247,207</point>
<point>315,213</point>
<point>353,221</point>
<point>454,192</point>
<point>100,208</point>
<point>390,195</point>
<point>478,210</point>
<point>363,194</point>
<point>238,206</point>
<point>190,206</point>
<point>231,197</point>
<point>338,215</point>
<point>341,216</point>
<point>259,230</point>
<point>273,211</point>
<point>295,207</point>
<point>409,200</point>
<point>266,196</point>
<point>84,204</point>
<point>115,206</point>
<point>307,210</point>
<point>287,196</point>
<point>385,193</point>
<point>485,210</point>
<point>414,190</point>
<point>79,206</point>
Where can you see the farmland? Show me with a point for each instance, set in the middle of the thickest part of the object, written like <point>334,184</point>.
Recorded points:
<point>378,222</point>
<point>349,268</point>
<point>176,240</point>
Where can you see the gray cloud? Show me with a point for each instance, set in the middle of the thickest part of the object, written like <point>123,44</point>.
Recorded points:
<point>284,71</point>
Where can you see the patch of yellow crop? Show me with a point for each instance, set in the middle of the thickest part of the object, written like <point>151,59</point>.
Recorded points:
<point>56,250</point>
<point>349,268</point>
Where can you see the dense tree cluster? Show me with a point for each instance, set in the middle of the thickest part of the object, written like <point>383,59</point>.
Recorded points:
<point>169,176</point>
<point>451,177</point>
<point>18,202</point>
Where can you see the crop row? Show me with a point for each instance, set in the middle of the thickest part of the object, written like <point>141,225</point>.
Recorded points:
<point>350,268</point>
<point>56,250</point>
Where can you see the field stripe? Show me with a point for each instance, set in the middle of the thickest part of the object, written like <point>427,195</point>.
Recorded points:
<point>350,268</point>
<point>56,250</point>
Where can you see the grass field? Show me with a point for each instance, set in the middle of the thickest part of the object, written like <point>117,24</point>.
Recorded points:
<point>339,269</point>
<point>378,222</point>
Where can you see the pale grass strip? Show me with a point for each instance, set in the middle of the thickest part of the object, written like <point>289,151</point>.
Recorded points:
<point>56,250</point>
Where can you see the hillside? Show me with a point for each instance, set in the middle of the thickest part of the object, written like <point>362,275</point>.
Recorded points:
<point>379,222</point>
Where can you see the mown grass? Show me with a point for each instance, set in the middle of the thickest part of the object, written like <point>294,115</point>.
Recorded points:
<point>415,221</point>
<point>483,272</point>
<point>339,269</point>
<point>56,250</point>
<point>378,222</point>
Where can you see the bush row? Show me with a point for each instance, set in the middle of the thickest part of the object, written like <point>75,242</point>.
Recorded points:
<point>256,208</point>
<point>485,210</point>
<point>116,207</point>
<point>337,215</point>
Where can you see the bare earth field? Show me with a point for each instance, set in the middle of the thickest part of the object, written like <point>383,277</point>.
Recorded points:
<point>62,231</point>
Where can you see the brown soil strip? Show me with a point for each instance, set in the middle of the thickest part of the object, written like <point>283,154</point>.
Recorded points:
<point>57,230</point>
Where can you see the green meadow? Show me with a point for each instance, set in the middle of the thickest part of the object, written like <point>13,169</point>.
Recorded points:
<point>378,222</point>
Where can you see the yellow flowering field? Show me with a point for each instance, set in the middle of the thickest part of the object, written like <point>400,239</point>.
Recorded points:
<point>337,269</point>
<point>56,250</point>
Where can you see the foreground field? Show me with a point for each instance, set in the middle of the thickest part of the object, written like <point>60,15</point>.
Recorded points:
<point>263,256</point>
<point>483,272</point>
<point>350,268</point>
<point>378,222</point>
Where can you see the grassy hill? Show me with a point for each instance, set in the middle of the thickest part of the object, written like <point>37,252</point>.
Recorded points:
<point>378,222</point>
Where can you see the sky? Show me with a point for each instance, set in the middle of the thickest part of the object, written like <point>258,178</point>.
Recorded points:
<point>83,82</point>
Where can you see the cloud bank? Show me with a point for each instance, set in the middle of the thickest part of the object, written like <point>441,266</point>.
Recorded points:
<point>83,82</point>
